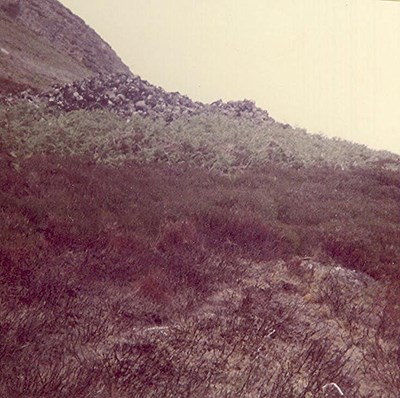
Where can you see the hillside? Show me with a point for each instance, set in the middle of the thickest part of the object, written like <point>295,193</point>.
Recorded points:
<point>160,280</point>
<point>137,259</point>
<point>154,246</point>
<point>41,43</point>
<point>223,136</point>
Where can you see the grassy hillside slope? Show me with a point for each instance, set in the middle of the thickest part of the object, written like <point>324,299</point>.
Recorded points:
<point>28,60</point>
<point>43,43</point>
<point>209,139</point>
<point>135,263</point>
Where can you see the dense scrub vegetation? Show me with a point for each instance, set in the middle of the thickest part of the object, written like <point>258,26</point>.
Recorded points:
<point>131,268</point>
<point>353,217</point>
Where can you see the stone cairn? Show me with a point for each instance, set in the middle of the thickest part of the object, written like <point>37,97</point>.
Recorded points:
<point>129,94</point>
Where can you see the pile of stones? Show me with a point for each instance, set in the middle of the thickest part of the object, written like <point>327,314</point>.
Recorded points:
<point>126,95</point>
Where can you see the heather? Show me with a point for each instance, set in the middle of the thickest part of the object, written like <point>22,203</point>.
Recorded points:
<point>202,256</point>
<point>156,246</point>
<point>146,277</point>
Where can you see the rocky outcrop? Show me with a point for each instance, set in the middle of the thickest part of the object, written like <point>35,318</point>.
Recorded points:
<point>122,94</point>
<point>126,95</point>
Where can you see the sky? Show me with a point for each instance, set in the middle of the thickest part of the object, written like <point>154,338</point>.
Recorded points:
<point>329,66</point>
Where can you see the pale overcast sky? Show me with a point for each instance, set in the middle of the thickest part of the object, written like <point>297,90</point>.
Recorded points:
<point>330,66</point>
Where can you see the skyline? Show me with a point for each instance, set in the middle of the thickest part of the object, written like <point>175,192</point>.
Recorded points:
<point>328,67</point>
